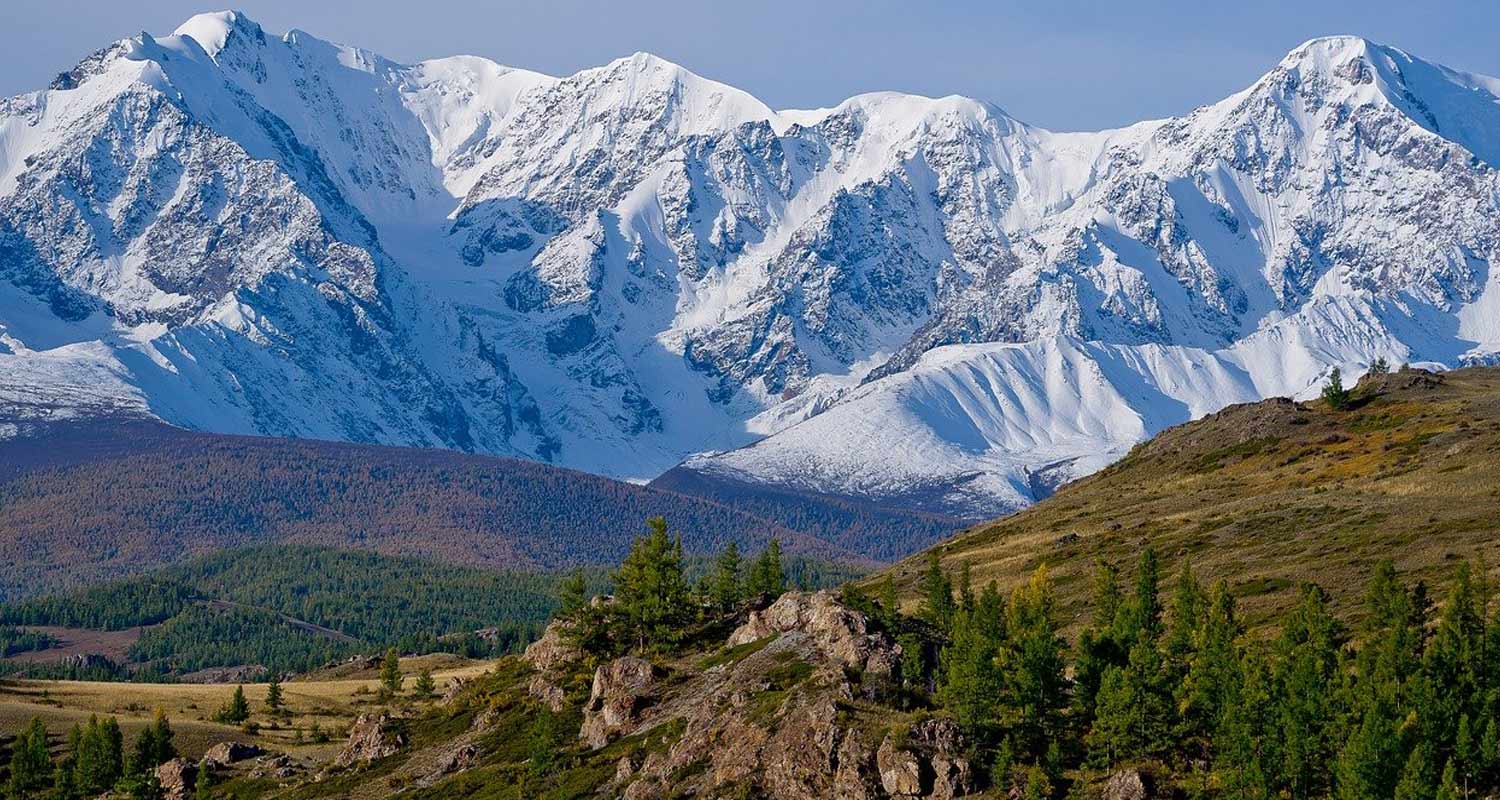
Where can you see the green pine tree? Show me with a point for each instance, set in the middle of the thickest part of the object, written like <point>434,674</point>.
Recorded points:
<point>650,592</point>
<point>572,595</point>
<point>766,574</point>
<point>98,756</point>
<point>937,594</point>
<point>727,587</point>
<point>969,687</point>
<point>30,761</point>
<point>235,710</point>
<point>273,694</point>
<point>1034,659</point>
<point>390,673</point>
<point>425,686</point>
<point>1334,393</point>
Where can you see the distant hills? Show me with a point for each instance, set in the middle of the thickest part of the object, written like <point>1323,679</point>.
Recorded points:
<point>82,502</point>
<point>1267,495</point>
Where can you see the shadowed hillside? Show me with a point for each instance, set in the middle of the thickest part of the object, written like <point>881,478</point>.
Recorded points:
<point>88,501</point>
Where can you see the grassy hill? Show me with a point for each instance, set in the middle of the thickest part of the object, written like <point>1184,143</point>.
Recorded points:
<point>85,502</point>
<point>1270,494</point>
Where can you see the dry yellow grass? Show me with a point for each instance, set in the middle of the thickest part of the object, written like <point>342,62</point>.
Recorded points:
<point>1268,495</point>
<point>331,704</point>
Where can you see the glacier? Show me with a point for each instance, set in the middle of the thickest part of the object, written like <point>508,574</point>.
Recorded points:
<point>910,301</point>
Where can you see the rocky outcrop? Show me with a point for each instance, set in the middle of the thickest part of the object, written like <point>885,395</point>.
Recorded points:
<point>370,738</point>
<point>1128,784</point>
<point>551,695</point>
<point>553,649</point>
<point>224,754</point>
<point>839,632</point>
<point>454,688</point>
<point>928,762</point>
<point>622,689</point>
<point>176,778</point>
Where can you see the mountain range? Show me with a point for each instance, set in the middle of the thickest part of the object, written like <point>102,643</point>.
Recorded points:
<point>638,272</point>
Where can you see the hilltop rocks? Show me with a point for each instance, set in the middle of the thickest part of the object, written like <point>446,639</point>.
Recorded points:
<point>552,649</point>
<point>370,739</point>
<point>622,689</point>
<point>839,632</point>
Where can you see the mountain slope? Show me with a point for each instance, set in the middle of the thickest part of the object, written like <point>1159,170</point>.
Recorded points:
<point>1266,494</point>
<point>107,498</point>
<point>634,266</point>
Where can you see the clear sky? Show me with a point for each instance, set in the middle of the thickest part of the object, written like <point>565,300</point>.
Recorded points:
<point>1061,64</point>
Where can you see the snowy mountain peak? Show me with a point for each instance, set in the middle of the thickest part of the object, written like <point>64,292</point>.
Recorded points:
<point>213,30</point>
<point>621,268</point>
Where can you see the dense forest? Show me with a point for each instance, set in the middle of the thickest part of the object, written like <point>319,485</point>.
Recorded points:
<point>293,608</point>
<point>114,499</point>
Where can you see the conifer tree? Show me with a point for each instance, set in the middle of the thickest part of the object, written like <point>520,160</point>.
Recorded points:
<point>727,588</point>
<point>890,605</point>
<point>969,686</point>
<point>1417,781</point>
<point>1034,660</point>
<point>235,710</point>
<point>30,762</point>
<point>766,574</point>
<point>649,588</point>
<point>571,594</point>
<point>98,756</point>
<point>965,589</point>
<point>153,746</point>
<point>390,672</point>
<point>1306,675</point>
<point>937,594</point>
<point>273,694</point>
<point>1334,393</point>
<point>425,686</point>
<point>1214,669</point>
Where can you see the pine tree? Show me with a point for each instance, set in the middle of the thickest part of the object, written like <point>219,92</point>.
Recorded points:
<point>1034,660</point>
<point>30,762</point>
<point>727,585</point>
<point>390,673</point>
<point>1448,786</point>
<point>425,686</point>
<point>649,588</point>
<point>153,746</point>
<point>1417,781</point>
<point>1037,785</point>
<point>203,784</point>
<point>1380,366</point>
<point>236,710</point>
<point>766,574</point>
<point>572,595</point>
<point>1306,675</point>
<point>965,589</point>
<point>1214,669</point>
<point>273,694</point>
<point>937,594</point>
<point>98,756</point>
<point>914,671</point>
<point>1334,393</point>
<point>1183,625</point>
<point>968,687</point>
<point>1140,618</point>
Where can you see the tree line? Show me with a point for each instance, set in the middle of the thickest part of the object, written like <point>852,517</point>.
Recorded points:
<point>95,762</point>
<point>1404,705</point>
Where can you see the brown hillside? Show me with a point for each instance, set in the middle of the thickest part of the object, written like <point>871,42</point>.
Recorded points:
<point>1270,494</point>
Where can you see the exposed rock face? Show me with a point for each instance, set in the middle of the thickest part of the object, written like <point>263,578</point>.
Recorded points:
<point>552,695</point>
<point>857,777</point>
<point>552,650</point>
<point>1128,784</point>
<point>928,764</point>
<point>841,633</point>
<point>225,753</point>
<point>370,739</point>
<point>622,689</point>
<point>454,688</point>
<point>176,778</point>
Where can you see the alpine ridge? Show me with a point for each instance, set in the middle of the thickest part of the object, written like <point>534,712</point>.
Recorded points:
<point>905,300</point>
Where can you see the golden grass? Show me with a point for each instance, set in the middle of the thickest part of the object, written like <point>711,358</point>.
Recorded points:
<point>331,704</point>
<point>1268,495</point>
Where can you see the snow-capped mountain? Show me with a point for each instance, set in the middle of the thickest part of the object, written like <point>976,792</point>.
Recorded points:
<point>912,300</point>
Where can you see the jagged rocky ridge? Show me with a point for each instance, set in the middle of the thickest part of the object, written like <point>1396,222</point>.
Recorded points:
<point>622,268</point>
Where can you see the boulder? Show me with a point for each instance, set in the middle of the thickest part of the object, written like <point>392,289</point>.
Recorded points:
<point>900,770</point>
<point>225,753</point>
<point>622,689</point>
<point>799,760</point>
<point>840,632</point>
<point>370,739</point>
<point>1127,784</point>
<point>553,649</point>
<point>856,776</point>
<point>456,760</point>
<point>176,778</point>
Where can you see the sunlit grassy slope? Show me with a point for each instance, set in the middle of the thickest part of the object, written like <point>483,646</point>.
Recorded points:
<point>1271,494</point>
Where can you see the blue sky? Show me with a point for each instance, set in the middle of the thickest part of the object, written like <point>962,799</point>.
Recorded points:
<point>1066,65</point>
